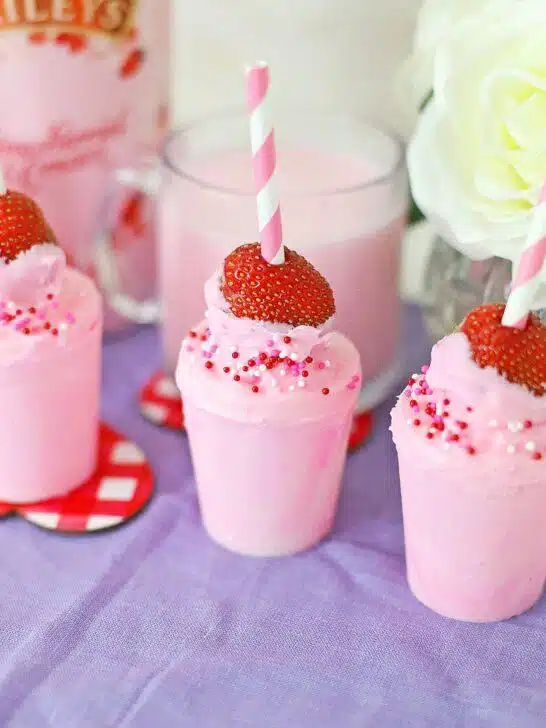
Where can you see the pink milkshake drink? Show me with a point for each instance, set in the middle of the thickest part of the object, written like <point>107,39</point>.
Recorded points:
<point>269,393</point>
<point>343,188</point>
<point>471,438</point>
<point>50,337</point>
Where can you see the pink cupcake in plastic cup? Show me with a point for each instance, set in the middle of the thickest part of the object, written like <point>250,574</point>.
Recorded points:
<point>269,393</point>
<point>50,339</point>
<point>470,431</point>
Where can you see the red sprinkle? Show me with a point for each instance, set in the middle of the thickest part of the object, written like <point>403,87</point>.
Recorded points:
<point>193,335</point>
<point>227,370</point>
<point>209,364</point>
<point>251,363</point>
<point>50,297</point>
<point>305,373</point>
<point>255,389</point>
<point>32,309</point>
<point>55,332</point>
<point>413,403</point>
<point>18,312</point>
<point>47,326</point>
<point>537,456</point>
<point>309,359</point>
<point>287,340</point>
<point>235,355</point>
<point>462,425</point>
<point>453,437</point>
<point>245,369</point>
<point>263,356</point>
<point>527,424</point>
<point>430,435</point>
<point>470,409</point>
<point>471,450</point>
<point>446,402</point>
<point>236,378</point>
<point>417,422</point>
<point>26,331</point>
<point>325,391</point>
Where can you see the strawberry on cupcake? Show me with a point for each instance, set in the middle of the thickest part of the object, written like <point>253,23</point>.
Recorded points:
<point>31,261</point>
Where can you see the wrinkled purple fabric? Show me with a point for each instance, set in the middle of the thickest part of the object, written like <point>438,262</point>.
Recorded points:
<point>153,626</point>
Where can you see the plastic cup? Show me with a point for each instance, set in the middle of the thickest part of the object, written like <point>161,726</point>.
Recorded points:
<point>268,468</point>
<point>50,403</point>
<point>475,538</point>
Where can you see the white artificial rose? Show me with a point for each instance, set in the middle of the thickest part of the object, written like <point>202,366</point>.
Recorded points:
<point>478,159</point>
<point>437,21</point>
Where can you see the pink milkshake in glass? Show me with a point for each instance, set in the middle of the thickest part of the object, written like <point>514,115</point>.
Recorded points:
<point>269,393</point>
<point>343,187</point>
<point>471,446</point>
<point>50,339</point>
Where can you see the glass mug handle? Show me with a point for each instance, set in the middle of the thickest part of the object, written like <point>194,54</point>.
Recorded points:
<point>147,181</point>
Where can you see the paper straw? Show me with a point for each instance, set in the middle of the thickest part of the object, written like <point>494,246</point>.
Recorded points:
<point>264,163</point>
<point>527,277</point>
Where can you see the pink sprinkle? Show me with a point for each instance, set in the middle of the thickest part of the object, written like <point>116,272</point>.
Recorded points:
<point>351,386</point>
<point>270,343</point>
<point>424,369</point>
<point>321,365</point>
<point>70,318</point>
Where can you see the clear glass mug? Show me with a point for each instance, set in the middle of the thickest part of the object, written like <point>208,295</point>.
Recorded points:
<point>344,196</point>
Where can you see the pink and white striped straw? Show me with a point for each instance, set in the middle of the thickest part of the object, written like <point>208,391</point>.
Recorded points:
<point>264,162</point>
<point>527,277</point>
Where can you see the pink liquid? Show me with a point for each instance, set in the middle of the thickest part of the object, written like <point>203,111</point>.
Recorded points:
<point>353,238</point>
<point>70,117</point>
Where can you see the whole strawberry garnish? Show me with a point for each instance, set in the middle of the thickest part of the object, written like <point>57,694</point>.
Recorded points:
<point>518,354</point>
<point>22,225</point>
<point>292,293</point>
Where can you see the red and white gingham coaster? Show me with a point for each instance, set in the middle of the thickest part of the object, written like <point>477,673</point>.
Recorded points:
<point>360,430</point>
<point>160,402</point>
<point>119,489</point>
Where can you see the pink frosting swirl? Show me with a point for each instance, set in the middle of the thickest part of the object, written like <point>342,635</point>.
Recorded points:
<point>456,406</point>
<point>251,337</point>
<point>32,275</point>
<point>492,397</point>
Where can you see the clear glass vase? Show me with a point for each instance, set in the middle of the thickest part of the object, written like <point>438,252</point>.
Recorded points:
<point>455,285</point>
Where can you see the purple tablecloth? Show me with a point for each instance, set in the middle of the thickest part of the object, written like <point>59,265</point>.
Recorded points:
<point>153,626</point>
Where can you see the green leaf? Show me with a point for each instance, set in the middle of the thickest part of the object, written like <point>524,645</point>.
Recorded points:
<point>415,214</point>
